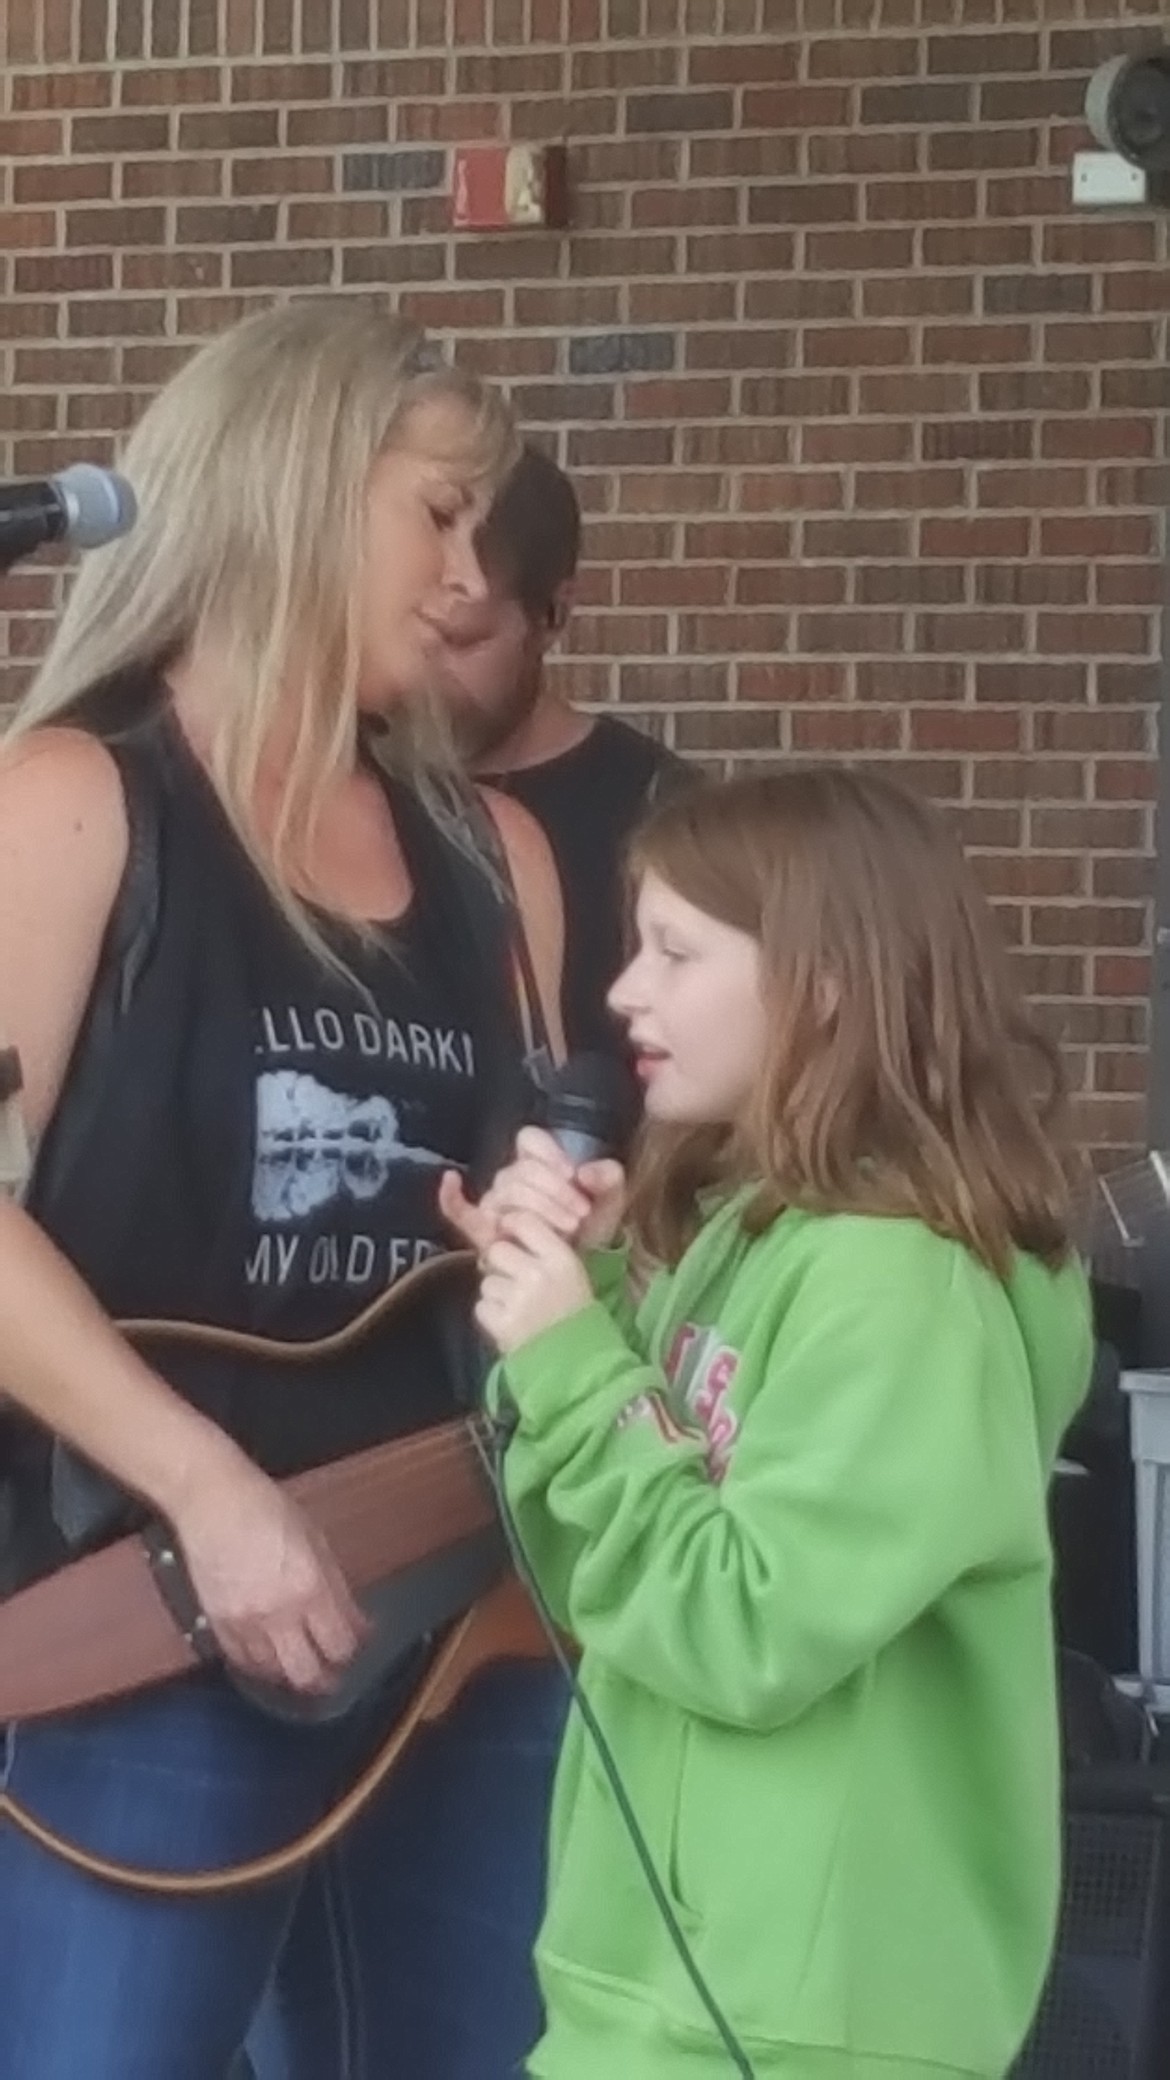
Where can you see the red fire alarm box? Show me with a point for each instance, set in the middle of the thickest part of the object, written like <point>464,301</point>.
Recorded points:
<point>503,187</point>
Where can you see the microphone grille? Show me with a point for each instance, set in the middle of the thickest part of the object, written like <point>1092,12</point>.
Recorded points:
<point>100,504</point>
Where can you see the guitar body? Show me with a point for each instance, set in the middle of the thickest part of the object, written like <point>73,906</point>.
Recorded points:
<point>503,1627</point>
<point>414,1526</point>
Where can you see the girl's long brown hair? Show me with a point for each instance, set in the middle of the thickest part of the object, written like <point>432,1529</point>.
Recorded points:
<point>904,1074</point>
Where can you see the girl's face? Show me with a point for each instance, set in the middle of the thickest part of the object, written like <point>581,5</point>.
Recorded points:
<point>422,512</point>
<point>692,999</point>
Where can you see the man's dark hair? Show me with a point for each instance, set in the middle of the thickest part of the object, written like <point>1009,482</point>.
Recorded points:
<point>530,541</point>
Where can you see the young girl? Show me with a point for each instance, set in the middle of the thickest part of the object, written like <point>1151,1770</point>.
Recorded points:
<point>791,1500</point>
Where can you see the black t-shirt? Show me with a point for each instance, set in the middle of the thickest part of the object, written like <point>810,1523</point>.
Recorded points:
<point>588,802</point>
<point>251,1139</point>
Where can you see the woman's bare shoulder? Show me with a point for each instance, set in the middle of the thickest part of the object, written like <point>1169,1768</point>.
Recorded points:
<point>62,784</point>
<point>63,845</point>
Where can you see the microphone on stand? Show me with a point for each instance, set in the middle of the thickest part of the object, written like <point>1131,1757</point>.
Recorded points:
<point>84,505</point>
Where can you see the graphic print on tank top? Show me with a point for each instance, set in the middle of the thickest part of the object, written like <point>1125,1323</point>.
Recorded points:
<point>357,1114</point>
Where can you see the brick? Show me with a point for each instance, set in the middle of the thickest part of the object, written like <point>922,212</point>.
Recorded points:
<point>228,130</point>
<point>862,152</point>
<point>115,227</point>
<point>801,296</point>
<point>226,224</point>
<point>517,258</point>
<point>621,353</point>
<point>688,113</point>
<point>804,202</point>
<point>911,585</point>
<point>840,731</point>
<point>674,585</point>
<point>551,118</point>
<point>770,157</point>
<point>146,179</point>
<point>618,70</point>
<point>919,201</point>
<point>393,263</point>
<point>980,57</point>
<point>681,303</point>
<point>30,137</point>
<point>684,207</point>
<point>866,250</point>
<point>171,270</point>
<point>123,317</point>
<point>78,181</point>
<point>362,172</point>
<point>1005,295</point>
<point>282,267</point>
<point>736,446</point>
<point>509,73</point>
<point>164,86</point>
<point>917,103</point>
<point>287,175</point>
<point>358,123</point>
<point>507,355</point>
<point>857,346</point>
<point>620,447</point>
<point>1030,584</point>
<point>858,440</point>
<point>60,89</point>
<point>864,58</point>
<point>63,274</point>
<point>790,585</point>
<point>919,296</point>
<point>966,730</point>
<point>749,347</point>
<point>802,108</point>
<point>978,149</point>
<point>988,535</point>
<point>599,256</point>
<point>280,84</point>
<point>786,681</point>
<point>21,228</point>
<point>111,135</point>
<point>336,220</point>
<point>1030,680</point>
<point>736,64</point>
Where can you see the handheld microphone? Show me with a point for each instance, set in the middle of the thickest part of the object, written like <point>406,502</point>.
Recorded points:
<point>84,505</point>
<point>590,1106</point>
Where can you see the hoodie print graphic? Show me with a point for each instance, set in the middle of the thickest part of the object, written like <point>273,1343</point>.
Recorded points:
<point>701,1369</point>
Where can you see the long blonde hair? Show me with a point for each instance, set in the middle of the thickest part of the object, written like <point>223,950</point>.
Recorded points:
<point>251,468</point>
<point>903,1073</point>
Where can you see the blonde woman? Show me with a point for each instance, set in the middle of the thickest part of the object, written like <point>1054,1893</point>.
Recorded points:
<point>254,1028</point>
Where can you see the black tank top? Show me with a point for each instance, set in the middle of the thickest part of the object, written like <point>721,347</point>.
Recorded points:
<point>249,1138</point>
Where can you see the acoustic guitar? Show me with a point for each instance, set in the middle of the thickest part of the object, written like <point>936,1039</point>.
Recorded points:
<point>414,1525</point>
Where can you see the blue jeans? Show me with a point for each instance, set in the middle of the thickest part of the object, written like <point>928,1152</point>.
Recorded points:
<point>403,1954</point>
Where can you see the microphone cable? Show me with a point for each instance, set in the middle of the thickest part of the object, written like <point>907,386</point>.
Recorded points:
<point>491,1452</point>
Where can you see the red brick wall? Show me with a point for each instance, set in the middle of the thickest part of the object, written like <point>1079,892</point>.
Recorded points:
<point>868,422</point>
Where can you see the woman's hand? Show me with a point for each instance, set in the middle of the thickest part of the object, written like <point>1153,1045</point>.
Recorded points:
<point>532,1279</point>
<point>266,1581</point>
<point>584,1205</point>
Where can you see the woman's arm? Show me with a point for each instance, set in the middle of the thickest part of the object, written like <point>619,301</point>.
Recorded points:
<point>277,1602</point>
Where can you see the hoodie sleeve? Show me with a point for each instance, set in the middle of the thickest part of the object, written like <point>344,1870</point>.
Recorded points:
<point>890,1447</point>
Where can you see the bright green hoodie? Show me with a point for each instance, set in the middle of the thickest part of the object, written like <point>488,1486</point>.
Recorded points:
<point>794,1513</point>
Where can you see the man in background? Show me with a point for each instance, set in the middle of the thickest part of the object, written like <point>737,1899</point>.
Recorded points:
<point>587,779</point>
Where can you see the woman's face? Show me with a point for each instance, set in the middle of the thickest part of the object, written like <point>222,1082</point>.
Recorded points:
<point>422,513</point>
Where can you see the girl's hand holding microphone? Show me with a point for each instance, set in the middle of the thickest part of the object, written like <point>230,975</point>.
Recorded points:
<point>527,1230</point>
